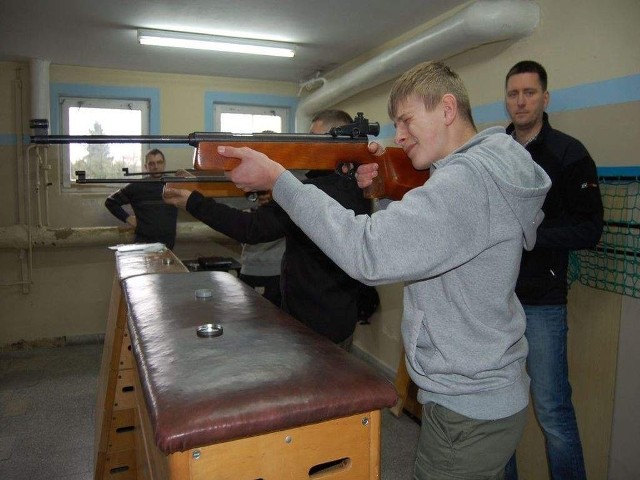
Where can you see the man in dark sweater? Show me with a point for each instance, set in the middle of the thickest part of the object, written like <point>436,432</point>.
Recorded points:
<point>153,220</point>
<point>573,221</point>
<point>314,289</point>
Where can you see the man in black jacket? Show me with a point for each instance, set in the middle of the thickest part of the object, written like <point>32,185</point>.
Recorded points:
<point>573,221</point>
<point>153,220</point>
<point>314,289</point>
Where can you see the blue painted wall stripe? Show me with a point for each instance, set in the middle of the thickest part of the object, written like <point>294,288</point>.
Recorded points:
<point>619,171</point>
<point>7,139</point>
<point>607,92</point>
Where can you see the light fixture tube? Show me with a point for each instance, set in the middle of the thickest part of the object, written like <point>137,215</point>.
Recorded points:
<point>214,42</point>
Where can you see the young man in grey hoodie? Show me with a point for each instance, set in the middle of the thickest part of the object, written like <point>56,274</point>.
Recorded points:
<point>456,243</point>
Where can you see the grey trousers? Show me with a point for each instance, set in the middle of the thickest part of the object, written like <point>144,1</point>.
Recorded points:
<point>453,446</point>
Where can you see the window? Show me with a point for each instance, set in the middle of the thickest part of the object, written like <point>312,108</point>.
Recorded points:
<point>250,119</point>
<point>95,116</point>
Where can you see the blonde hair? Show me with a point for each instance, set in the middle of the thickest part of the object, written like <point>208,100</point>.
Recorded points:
<point>430,81</point>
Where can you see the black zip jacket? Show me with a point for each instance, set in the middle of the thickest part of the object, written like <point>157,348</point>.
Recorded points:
<point>573,216</point>
<point>156,220</point>
<point>314,289</point>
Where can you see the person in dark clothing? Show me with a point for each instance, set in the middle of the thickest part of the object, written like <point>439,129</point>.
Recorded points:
<point>314,289</point>
<point>153,220</point>
<point>261,262</point>
<point>573,220</point>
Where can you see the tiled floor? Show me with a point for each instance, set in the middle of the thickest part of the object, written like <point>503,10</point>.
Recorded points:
<point>47,401</point>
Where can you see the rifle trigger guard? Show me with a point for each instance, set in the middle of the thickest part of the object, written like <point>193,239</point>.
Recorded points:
<point>347,169</point>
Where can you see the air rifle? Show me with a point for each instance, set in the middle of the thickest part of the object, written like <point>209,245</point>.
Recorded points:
<point>342,145</point>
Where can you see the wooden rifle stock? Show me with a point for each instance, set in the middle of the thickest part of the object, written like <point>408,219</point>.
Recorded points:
<point>396,174</point>
<point>208,188</point>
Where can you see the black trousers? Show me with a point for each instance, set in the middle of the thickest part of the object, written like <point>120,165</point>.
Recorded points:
<point>269,287</point>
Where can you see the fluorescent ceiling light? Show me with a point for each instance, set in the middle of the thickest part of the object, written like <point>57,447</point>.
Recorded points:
<point>213,42</point>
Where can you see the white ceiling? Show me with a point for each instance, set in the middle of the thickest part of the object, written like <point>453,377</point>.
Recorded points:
<point>103,33</point>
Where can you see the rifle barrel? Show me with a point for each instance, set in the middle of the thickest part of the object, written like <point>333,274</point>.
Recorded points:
<point>195,138</point>
<point>357,131</point>
<point>101,139</point>
<point>126,173</point>
<point>164,179</point>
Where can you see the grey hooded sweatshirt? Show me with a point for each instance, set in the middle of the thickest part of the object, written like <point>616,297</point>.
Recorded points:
<point>455,243</point>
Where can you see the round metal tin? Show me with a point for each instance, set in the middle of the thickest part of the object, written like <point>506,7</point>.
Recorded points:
<point>204,293</point>
<point>209,330</point>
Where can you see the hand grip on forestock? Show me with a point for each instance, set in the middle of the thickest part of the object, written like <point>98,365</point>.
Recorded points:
<point>396,175</point>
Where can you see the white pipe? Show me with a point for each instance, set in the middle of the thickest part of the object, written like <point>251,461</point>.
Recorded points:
<point>38,161</point>
<point>25,266</point>
<point>28,244</point>
<point>41,110</point>
<point>28,236</point>
<point>40,106</point>
<point>20,158</point>
<point>312,84</point>
<point>45,166</point>
<point>485,21</point>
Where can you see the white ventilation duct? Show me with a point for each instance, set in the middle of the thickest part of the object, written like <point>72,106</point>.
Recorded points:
<point>483,22</point>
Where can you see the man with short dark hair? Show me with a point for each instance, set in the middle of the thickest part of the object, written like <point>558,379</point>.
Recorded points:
<point>573,220</point>
<point>153,220</point>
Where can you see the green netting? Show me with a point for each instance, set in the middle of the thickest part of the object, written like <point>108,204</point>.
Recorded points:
<point>614,265</point>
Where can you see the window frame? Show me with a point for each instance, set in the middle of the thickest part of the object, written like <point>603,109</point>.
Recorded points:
<point>69,101</point>
<point>263,101</point>
<point>59,90</point>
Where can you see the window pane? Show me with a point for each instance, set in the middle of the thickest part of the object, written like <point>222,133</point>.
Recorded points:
<point>104,160</point>
<point>102,116</point>
<point>250,118</point>
<point>250,123</point>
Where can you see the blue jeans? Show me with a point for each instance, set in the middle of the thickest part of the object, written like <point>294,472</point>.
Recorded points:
<point>551,393</point>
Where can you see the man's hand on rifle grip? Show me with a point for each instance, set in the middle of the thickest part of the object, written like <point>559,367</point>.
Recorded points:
<point>368,171</point>
<point>256,171</point>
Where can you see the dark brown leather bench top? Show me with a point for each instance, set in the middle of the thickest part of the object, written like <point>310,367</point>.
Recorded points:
<point>267,371</point>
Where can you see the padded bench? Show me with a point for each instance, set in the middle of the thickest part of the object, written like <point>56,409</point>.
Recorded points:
<point>267,399</point>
